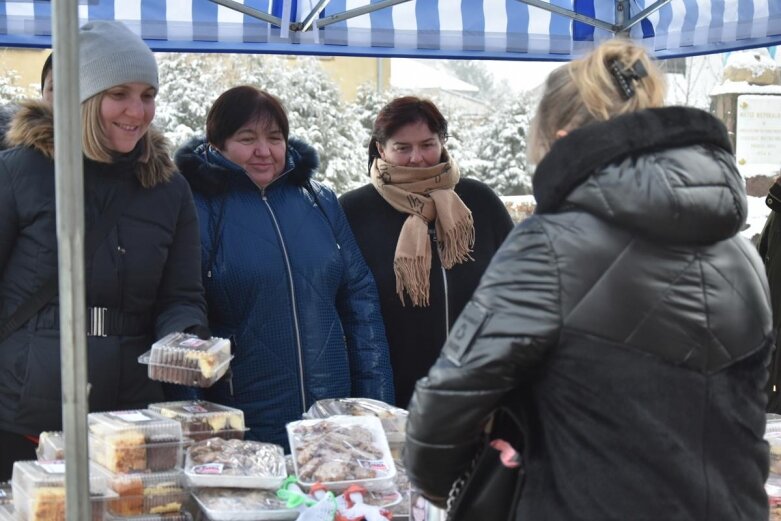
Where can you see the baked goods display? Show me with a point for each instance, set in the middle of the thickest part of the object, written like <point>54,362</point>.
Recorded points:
<point>393,419</point>
<point>147,493</point>
<point>6,495</point>
<point>185,359</point>
<point>225,504</point>
<point>139,440</point>
<point>202,420</point>
<point>51,446</point>
<point>341,451</point>
<point>235,463</point>
<point>39,490</point>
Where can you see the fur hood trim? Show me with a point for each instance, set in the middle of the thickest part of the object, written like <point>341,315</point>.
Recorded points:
<point>210,178</point>
<point>33,127</point>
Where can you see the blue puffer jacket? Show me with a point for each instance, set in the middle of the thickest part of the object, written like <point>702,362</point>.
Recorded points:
<point>286,281</point>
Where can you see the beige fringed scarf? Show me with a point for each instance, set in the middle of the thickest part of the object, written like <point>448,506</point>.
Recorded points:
<point>427,195</point>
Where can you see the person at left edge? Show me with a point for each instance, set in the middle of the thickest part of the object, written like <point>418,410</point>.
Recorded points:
<point>284,277</point>
<point>145,272</point>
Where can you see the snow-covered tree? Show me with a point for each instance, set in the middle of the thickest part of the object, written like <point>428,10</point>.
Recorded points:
<point>498,149</point>
<point>189,83</point>
<point>9,90</point>
<point>317,115</point>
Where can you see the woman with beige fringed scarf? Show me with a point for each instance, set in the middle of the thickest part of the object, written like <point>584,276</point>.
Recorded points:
<point>426,233</point>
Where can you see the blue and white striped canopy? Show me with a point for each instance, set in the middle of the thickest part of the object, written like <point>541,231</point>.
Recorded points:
<point>499,29</point>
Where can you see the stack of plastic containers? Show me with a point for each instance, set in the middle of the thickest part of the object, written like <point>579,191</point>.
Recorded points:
<point>39,491</point>
<point>142,452</point>
<point>237,480</point>
<point>394,424</point>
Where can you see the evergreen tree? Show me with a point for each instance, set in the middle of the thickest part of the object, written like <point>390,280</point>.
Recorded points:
<point>498,155</point>
<point>9,90</point>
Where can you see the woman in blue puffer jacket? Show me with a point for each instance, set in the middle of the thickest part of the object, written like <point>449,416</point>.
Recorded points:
<point>284,277</point>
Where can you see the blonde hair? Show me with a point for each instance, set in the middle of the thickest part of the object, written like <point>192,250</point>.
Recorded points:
<point>96,147</point>
<point>585,91</point>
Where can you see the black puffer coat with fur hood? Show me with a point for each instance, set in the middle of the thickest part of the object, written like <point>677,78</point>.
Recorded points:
<point>146,272</point>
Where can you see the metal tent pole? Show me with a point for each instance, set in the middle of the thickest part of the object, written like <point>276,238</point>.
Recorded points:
<point>69,189</point>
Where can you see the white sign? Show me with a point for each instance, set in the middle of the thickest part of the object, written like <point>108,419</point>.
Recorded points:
<point>758,132</point>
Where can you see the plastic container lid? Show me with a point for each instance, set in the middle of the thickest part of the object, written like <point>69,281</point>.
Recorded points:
<point>394,420</point>
<point>51,446</point>
<point>235,463</point>
<point>7,513</point>
<point>6,493</point>
<point>226,504</point>
<point>126,441</point>
<point>201,420</point>
<point>185,359</point>
<point>356,452</point>
<point>39,490</point>
<point>147,493</point>
<point>179,516</point>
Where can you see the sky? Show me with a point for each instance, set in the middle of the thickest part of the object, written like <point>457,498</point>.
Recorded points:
<point>522,75</point>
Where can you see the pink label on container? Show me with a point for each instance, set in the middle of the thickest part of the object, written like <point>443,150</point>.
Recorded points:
<point>208,468</point>
<point>376,465</point>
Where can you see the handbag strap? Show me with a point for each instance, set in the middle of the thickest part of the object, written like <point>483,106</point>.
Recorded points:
<point>92,240</point>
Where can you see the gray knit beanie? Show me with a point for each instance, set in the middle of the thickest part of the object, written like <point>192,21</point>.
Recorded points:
<point>110,54</point>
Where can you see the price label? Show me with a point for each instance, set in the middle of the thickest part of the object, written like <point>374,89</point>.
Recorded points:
<point>131,416</point>
<point>52,467</point>
<point>208,469</point>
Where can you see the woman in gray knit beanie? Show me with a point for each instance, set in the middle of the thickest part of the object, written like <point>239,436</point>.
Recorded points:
<point>142,280</point>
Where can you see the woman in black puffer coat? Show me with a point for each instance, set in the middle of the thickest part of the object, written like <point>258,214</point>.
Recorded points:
<point>144,277</point>
<point>626,322</point>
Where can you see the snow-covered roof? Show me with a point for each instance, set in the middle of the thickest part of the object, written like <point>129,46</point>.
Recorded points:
<point>415,74</point>
<point>756,60</point>
<point>744,87</point>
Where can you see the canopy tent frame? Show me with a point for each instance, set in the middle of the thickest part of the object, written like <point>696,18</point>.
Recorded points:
<point>309,22</point>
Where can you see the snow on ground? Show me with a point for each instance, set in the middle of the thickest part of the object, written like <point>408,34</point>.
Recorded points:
<point>757,215</point>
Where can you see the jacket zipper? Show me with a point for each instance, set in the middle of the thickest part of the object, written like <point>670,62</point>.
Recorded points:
<point>293,299</point>
<point>432,232</point>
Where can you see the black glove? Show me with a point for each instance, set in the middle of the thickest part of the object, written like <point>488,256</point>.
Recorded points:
<point>201,332</point>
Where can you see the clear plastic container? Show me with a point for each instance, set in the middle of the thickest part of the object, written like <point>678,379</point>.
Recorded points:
<point>773,489</point>
<point>202,420</point>
<point>235,463</point>
<point>179,516</point>
<point>51,446</point>
<point>184,359</point>
<point>341,451</point>
<point>139,440</point>
<point>226,504</point>
<point>394,420</point>
<point>7,512</point>
<point>6,493</point>
<point>39,490</point>
<point>147,493</point>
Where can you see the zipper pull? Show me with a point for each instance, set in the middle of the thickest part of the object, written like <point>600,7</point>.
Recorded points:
<point>209,274</point>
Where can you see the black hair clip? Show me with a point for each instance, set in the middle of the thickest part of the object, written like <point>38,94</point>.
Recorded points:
<point>624,77</point>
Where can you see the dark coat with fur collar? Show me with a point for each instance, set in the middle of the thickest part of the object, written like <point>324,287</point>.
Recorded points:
<point>286,281</point>
<point>146,269</point>
<point>627,324</point>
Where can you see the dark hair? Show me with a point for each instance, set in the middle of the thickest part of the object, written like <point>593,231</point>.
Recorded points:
<point>403,111</point>
<point>47,68</point>
<point>236,106</point>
